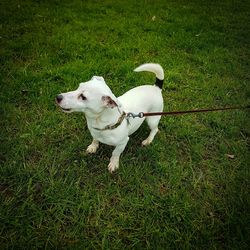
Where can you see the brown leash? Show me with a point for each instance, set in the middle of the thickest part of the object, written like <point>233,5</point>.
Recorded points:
<point>142,114</point>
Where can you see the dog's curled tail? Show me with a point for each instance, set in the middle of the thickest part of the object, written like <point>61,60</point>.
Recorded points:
<point>154,68</point>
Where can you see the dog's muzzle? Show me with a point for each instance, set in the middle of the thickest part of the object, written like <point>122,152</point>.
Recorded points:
<point>59,98</point>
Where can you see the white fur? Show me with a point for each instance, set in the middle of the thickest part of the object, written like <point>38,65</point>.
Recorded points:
<point>102,108</point>
<point>152,67</point>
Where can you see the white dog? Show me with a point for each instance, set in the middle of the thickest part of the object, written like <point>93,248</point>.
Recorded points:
<point>106,114</point>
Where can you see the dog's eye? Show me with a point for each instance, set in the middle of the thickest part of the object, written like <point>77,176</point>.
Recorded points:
<point>81,96</point>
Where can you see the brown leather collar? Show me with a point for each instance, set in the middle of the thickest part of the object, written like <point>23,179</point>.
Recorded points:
<point>117,124</point>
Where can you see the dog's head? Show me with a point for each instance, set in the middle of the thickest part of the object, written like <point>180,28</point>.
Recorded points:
<point>93,97</point>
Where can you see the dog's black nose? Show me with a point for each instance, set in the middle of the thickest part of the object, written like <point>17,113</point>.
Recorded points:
<point>59,98</point>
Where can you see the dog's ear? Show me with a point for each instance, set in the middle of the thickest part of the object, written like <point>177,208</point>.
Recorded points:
<point>99,78</point>
<point>109,102</point>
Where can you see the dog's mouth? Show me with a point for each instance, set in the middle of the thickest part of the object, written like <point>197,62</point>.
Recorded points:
<point>63,109</point>
<point>66,110</point>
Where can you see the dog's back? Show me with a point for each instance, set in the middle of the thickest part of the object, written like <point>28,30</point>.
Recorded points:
<point>145,98</point>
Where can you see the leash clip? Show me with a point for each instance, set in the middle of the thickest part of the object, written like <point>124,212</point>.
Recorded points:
<point>139,115</point>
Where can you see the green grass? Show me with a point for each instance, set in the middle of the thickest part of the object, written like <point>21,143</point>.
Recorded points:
<point>181,192</point>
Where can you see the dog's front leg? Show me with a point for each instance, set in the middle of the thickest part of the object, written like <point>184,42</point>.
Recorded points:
<point>91,149</point>
<point>114,160</point>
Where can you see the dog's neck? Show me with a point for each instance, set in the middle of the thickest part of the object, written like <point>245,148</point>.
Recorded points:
<point>107,117</point>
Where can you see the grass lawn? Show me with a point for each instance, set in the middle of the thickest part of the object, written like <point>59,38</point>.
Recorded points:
<point>188,190</point>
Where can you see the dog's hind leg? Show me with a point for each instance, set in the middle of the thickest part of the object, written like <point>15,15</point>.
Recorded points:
<point>153,125</point>
<point>92,148</point>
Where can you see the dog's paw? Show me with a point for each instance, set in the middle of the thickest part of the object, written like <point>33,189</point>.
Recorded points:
<point>146,142</point>
<point>113,165</point>
<point>91,149</point>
